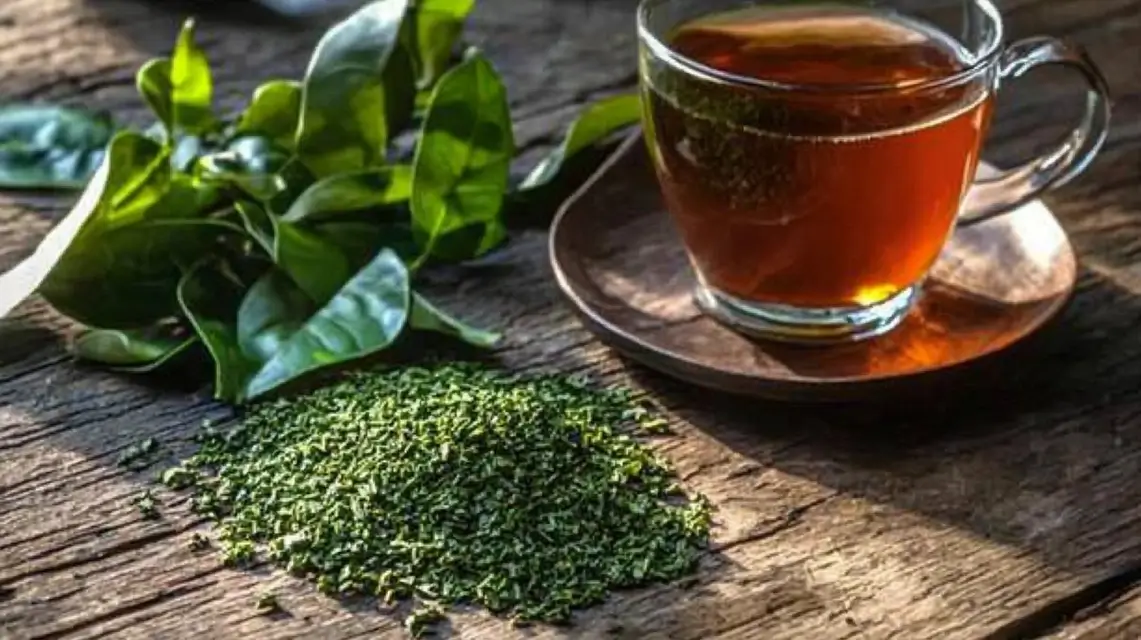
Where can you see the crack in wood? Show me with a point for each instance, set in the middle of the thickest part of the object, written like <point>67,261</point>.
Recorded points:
<point>44,433</point>
<point>120,611</point>
<point>52,362</point>
<point>88,533</point>
<point>703,467</point>
<point>1052,615</point>
<point>167,611</point>
<point>56,597</point>
<point>100,554</point>
<point>141,400</point>
<point>790,519</point>
<point>745,469</point>
<point>56,482</point>
<point>63,545</point>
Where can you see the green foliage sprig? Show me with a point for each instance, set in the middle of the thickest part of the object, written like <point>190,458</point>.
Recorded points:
<point>285,239</point>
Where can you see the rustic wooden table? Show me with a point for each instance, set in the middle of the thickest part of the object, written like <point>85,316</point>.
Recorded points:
<point>1011,508</point>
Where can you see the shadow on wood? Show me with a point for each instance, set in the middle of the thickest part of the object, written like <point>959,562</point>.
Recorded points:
<point>1023,452</point>
<point>20,338</point>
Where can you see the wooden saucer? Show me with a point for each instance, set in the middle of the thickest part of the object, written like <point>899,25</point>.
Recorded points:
<point>619,261</point>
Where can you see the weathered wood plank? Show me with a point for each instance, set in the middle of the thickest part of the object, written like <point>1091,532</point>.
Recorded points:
<point>1117,617</point>
<point>945,517</point>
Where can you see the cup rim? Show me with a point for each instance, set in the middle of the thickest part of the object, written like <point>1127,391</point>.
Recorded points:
<point>661,49</point>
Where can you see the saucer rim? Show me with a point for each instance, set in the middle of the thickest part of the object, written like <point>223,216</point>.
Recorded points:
<point>787,387</point>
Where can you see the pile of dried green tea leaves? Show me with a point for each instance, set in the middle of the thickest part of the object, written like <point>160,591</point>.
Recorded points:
<point>453,483</point>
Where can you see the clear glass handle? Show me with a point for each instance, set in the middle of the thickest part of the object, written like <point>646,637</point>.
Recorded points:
<point>999,194</point>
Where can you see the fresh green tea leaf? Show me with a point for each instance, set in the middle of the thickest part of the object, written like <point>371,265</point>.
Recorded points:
<point>127,153</point>
<point>139,351</point>
<point>47,147</point>
<point>156,87</point>
<point>364,317</point>
<point>595,124</point>
<point>273,310</point>
<point>360,239</point>
<point>136,231</point>
<point>192,87</point>
<point>19,283</point>
<point>423,97</point>
<point>258,154</point>
<point>438,27</point>
<point>251,164</point>
<point>209,297</point>
<point>186,347</point>
<point>462,164</point>
<point>273,113</point>
<point>315,264</point>
<point>298,178</point>
<point>108,346</point>
<point>173,221</point>
<point>187,150</point>
<point>128,279</point>
<point>142,185</point>
<point>349,192</point>
<point>258,224</point>
<point>219,169</point>
<point>188,224</point>
<point>427,317</point>
<point>358,91</point>
<point>180,89</point>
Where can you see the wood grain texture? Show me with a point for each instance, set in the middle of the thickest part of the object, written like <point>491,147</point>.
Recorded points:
<point>1118,616</point>
<point>996,510</point>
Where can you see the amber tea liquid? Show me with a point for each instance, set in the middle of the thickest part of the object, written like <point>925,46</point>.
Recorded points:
<point>809,194</point>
